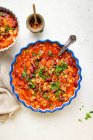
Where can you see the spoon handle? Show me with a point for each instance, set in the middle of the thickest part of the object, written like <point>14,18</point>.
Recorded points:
<point>70,41</point>
<point>34,11</point>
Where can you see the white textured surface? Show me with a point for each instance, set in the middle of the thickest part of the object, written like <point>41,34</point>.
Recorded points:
<point>62,18</point>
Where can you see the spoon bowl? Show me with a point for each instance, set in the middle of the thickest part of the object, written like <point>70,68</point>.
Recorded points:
<point>70,41</point>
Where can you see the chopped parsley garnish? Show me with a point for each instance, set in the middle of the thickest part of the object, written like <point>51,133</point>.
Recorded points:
<point>91,112</point>
<point>50,53</point>
<point>31,84</point>
<point>24,73</point>
<point>41,73</point>
<point>61,67</point>
<point>55,85</point>
<point>7,28</point>
<point>57,93</point>
<point>88,116</point>
<point>46,97</point>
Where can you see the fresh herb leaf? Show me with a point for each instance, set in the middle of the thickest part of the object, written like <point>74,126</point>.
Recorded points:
<point>44,76</point>
<point>24,73</point>
<point>7,28</point>
<point>46,97</point>
<point>40,73</point>
<point>57,93</point>
<point>50,53</point>
<point>88,116</point>
<point>31,84</point>
<point>91,112</point>
<point>61,67</point>
<point>55,85</point>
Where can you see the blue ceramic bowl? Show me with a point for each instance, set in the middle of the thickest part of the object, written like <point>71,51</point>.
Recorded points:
<point>47,110</point>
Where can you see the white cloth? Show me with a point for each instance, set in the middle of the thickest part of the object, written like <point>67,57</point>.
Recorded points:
<point>8,103</point>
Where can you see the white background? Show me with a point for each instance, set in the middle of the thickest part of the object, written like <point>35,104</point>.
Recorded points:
<point>62,18</point>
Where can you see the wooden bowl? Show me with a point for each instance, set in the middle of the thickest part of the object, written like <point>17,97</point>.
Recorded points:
<point>35,28</point>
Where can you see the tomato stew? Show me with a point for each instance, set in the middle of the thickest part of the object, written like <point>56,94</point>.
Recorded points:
<point>8,29</point>
<point>42,78</point>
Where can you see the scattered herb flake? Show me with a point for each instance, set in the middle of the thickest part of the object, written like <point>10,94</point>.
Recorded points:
<point>57,93</point>
<point>79,120</point>
<point>46,97</point>
<point>31,84</point>
<point>24,73</point>
<point>7,28</point>
<point>61,67</point>
<point>88,116</point>
<point>40,73</point>
<point>55,85</point>
<point>91,112</point>
<point>50,53</point>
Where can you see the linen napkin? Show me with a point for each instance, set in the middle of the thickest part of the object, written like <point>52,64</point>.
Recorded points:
<point>8,103</point>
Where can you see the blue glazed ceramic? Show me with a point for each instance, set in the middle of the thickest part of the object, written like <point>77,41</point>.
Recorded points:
<point>47,110</point>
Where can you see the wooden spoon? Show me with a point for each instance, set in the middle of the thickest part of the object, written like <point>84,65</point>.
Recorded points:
<point>70,41</point>
<point>34,11</point>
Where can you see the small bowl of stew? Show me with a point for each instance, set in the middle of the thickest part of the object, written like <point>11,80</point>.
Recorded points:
<point>43,81</point>
<point>8,28</point>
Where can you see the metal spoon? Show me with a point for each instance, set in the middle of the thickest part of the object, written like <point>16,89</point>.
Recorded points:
<point>70,41</point>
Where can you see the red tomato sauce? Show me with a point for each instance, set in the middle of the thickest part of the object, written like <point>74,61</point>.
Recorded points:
<point>8,29</point>
<point>42,78</point>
